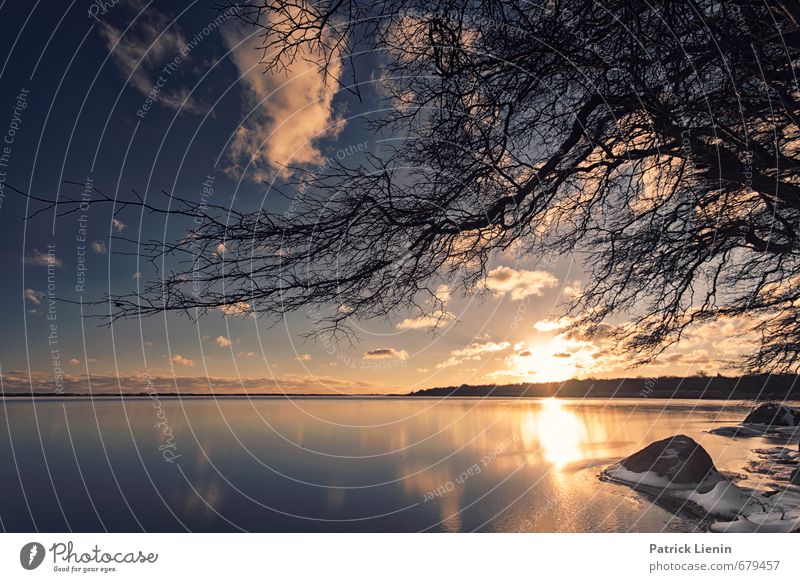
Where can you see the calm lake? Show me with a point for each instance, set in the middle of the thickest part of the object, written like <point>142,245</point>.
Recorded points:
<point>312,464</point>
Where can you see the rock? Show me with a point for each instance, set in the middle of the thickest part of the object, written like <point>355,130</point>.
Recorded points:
<point>678,474</point>
<point>676,460</point>
<point>773,414</point>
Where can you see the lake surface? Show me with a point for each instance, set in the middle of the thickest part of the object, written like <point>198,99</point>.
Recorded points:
<point>372,464</point>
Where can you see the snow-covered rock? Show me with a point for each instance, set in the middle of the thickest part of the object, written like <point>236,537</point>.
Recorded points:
<point>773,414</point>
<point>679,474</point>
<point>769,419</point>
<point>674,461</point>
<point>764,522</point>
<point>740,430</point>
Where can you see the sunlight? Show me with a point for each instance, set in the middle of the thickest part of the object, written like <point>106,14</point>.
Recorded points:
<point>555,361</point>
<point>560,433</point>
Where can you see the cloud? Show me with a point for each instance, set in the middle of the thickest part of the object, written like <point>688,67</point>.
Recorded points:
<point>694,358</point>
<point>552,324</point>
<point>520,284</point>
<point>99,247</point>
<point>594,351</point>
<point>426,321</point>
<point>152,43</point>
<point>222,341</point>
<point>38,258</point>
<point>181,361</point>
<point>73,361</point>
<point>18,382</point>
<point>303,358</point>
<point>291,110</point>
<point>238,308</point>
<point>34,296</point>
<point>443,293</point>
<point>592,333</point>
<point>441,296</point>
<point>474,351</point>
<point>118,225</point>
<point>573,290</point>
<point>136,276</point>
<point>386,354</point>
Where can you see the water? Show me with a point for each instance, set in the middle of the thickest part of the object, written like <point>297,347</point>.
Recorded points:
<point>388,464</point>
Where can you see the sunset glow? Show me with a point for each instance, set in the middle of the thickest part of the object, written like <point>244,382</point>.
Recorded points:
<point>555,361</point>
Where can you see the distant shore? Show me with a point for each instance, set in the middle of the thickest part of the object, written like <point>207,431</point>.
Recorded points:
<point>750,387</point>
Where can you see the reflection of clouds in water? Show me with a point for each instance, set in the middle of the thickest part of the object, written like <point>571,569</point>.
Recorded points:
<point>420,483</point>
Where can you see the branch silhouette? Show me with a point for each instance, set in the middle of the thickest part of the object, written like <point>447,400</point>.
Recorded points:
<point>657,142</point>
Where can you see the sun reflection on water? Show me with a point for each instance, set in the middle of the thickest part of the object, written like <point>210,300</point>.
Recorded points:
<point>560,433</point>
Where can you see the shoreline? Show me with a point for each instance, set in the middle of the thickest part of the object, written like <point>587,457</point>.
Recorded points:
<point>271,396</point>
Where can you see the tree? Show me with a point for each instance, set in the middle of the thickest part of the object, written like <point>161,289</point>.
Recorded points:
<point>656,141</point>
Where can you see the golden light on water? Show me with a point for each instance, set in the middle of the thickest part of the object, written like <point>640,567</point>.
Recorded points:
<point>559,431</point>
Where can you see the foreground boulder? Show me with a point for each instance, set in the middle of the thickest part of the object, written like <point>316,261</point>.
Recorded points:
<point>773,414</point>
<point>676,461</point>
<point>677,474</point>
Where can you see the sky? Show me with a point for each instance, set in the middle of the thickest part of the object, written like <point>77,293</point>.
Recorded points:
<point>157,97</point>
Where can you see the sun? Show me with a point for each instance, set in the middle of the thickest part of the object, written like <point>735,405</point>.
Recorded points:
<point>554,361</point>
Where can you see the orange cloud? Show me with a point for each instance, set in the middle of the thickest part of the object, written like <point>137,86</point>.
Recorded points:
<point>289,111</point>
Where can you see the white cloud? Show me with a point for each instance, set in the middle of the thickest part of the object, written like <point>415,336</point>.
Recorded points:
<point>181,361</point>
<point>426,321</point>
<point>222,341</point>
<point>292,109</point>
<point>520,284</point>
